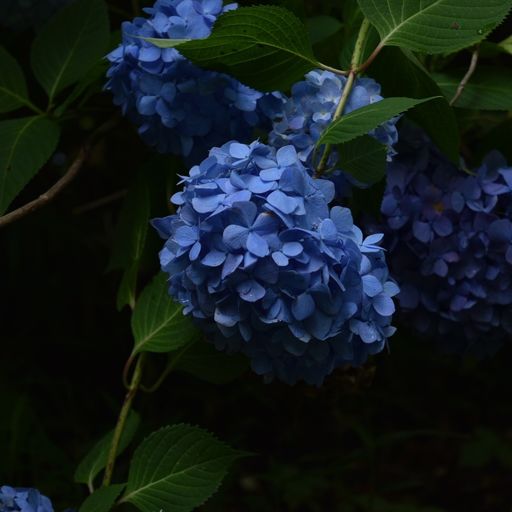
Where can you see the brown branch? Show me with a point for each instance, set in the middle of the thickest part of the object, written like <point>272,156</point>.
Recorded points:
<point>467,76</point>
<point>58,187</point>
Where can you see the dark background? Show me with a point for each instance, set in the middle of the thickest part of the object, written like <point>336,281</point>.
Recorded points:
<point>413,431</point>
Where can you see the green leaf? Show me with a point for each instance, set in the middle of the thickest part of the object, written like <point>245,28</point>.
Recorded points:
<point>488,89</point>
<point>363,158</point>
<point>204,361</point>
<point>96,460</point>
<point>130,240</point>
<point>25,146</point>
<point>434,26</point>
<point>13,88</point>
<point>506,44</point>
<point>158,323</point>
<point>103,499</point>
<point>322,27</point>
<point>401,74</point>
<point>132,227</point>
<point>361,121</point>
<point>266,47</point>
<point>177,468</point>
<point>70,45</point>
<point>127,291</point>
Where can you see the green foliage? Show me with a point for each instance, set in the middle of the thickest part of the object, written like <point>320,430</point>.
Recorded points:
<point>266,47</point>
<point>158,323</point>
<point>179,466</point>
<point>401,74</point>
<point>13,87</point>
<point>322,27</point>
<point>484,448</point>
<point>25,146</point>
<point>488,89</point>
<point>103,499</point>
<point>96,459</point>
<point>364,158</point>
<point>434,26</point>
<point>506,44</point>
<point>130,239</point>
<point>204,361</point>
<point>361,121</point>
<point>70,45</point>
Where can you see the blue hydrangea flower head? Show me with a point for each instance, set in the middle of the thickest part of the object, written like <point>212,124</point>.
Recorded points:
<point>450,235</point>
<point>18,15</point>
<point>178,107</point>
<point>301,118</point>
<point>23,500</point>
<point>259,259</point>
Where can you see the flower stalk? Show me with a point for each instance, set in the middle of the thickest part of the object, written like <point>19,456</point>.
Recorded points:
<point>121,422</point>
<point>347,89</point>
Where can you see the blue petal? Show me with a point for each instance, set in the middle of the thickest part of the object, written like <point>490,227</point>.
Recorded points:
<point>235,236</point>
<point>186,236</point>
<point>250,291</point>
<point>232,262</point>
<point>257,245</point>
<point>280,259</point>
<point>303,306</point>
<point>214,259</point>
<point>292,249</point>
<point>282,202</point>
<point>384,305</point>
<point>371,286</point>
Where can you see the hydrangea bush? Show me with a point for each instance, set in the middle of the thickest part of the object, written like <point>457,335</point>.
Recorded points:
<point>178,107</point>
<point>257,255</point>
<point>450,232</point>
<point>262,254</point>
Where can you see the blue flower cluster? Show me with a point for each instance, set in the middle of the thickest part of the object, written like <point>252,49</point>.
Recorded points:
<point>451,244</point>
<point>20,15</point>
<point>178,107</point>
<point>258,258</point>
<point>23,500</point>
<point>306,114</point>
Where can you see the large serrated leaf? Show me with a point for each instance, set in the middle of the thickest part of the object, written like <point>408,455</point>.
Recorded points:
<point>361,121</point>
<point>364,159</point>
<point>266,47</point>
<point>177,468</point>
<point>434,26</point>
<point>401,74</point>
<point>158,323</point>
<point>25,146</point>
<point>96,459</point>
<point>13,88</point>
<point>488,89</point>
<point>103,499</point>
<point>70,45</point>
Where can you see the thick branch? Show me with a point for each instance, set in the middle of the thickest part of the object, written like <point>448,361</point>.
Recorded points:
<point>58,187</point>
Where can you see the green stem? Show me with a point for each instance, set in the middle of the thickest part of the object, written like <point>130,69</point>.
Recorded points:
<point>347,89</point>
<point>336,71</point>
<point>123,415</point>
<point>170,367</point>
<point>359,47</point>
<point>339,112</point>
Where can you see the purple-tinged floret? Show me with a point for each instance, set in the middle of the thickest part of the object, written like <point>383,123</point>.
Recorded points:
<point>450,245</point>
